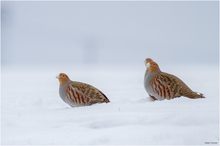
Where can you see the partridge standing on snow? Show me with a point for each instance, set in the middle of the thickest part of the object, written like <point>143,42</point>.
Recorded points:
<point>79,94</point>
<point>160,85</point>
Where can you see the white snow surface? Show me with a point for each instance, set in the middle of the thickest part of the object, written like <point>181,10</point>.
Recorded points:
<point>32,112</point>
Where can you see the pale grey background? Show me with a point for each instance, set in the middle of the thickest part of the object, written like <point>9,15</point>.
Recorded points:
<point>109,32</point>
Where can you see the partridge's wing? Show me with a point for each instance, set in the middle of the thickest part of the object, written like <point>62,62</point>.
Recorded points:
<point>76,97</point>
<point>93,93</point>
<point>168,86</point>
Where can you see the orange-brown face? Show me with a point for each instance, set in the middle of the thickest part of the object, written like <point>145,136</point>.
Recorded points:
<point>151,65</point>
<point>63,78</point>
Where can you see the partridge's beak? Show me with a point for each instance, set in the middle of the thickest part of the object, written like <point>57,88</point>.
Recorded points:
<point>57,77</point>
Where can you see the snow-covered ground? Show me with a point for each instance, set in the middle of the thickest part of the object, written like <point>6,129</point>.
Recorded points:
<point>33,113</point>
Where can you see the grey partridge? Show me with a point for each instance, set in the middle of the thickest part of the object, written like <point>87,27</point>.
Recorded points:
<point>160,85</point>
<point>79,94</point>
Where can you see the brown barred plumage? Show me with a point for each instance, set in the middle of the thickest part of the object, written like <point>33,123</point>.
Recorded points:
<point>79,94</point>
<point>76,96</point>
<point>160,85</point>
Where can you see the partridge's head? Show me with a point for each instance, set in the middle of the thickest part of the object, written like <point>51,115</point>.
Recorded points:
<point>63,78</point>
<point>151,65</point>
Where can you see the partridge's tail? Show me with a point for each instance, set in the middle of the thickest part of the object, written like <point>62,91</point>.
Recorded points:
<point>194,95</point>
<point>93,101</point>
<point>105,99</point>
<point>101,99</point>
